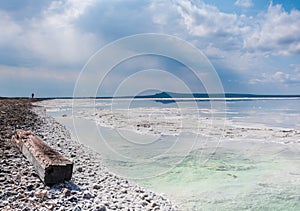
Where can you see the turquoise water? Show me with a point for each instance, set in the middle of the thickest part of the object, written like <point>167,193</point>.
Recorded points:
<point>256,170</point>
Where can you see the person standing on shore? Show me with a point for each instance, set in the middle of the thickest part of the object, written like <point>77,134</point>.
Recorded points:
<point>32,95</point>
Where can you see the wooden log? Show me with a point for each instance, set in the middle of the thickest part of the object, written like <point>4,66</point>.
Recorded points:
<point>50,165</point>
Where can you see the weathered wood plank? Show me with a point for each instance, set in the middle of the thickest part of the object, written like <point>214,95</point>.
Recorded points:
<point>50,165</point>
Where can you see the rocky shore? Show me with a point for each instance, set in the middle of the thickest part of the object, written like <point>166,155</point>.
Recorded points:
<point>92,186</point>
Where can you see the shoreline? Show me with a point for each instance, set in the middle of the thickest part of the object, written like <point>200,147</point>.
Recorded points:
<point>92,186</point>
<point>248,149</point>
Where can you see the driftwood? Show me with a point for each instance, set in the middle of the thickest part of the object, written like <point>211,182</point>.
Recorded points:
<point>50,165</point>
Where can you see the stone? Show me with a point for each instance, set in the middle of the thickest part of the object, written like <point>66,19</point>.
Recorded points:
<point>101,208</point>
<point>30,187</point>
<point>96,186</point>
<point>2,179</point>
<point>123,190</point>
<point>66,192</point>
<point>73,199</point>
<point>26,209</point>
<point>80,169</point>
<point>113,207</point>
<point>87,195</point>
<point>106,203</point>
<point>153,204</point>
<point>41,194</point>
<point>144,203</point>
<point>77,208</point>
<point>11,193</point>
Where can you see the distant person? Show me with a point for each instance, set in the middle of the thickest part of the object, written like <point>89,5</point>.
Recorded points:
<point>32,95</point>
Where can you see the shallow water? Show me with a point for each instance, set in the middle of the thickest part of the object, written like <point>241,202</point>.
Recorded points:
<point>246,160</point>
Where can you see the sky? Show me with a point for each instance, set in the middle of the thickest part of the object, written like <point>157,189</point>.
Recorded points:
<point>254,45</point>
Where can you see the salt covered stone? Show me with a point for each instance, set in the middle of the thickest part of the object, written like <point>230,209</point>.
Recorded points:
<point>96,186</point>
<point>77,208</point>
<point>73,199</point>
<point>101,208</point>
<point>41,194</point>
<point>87,195</point>
<point>66,192</point>
<point>80,169</point>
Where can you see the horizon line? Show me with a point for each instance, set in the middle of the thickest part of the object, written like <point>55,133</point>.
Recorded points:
<point>166,95</point>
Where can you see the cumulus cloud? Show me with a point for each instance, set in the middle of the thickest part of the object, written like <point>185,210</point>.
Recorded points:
<point>22,81</point>
<point>272,32</point>
<point>244,3</point>
<point>68,31</point>
<point>36,73</point>
<point>204,20</point>
<point>275,32</point>
<point>51,36</point>
<point>199,23</point>
<point>9,29</point>
<point>278,77</point>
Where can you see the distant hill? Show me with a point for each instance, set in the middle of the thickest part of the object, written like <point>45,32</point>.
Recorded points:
<point>205,95</point>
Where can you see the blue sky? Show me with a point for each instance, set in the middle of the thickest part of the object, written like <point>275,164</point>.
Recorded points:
<point>254,45</point>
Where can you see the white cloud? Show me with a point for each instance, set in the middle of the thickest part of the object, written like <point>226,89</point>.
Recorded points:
<point>63,13</point>
<point>244,3</point>
<point>272,32</point>
<point>56,38</point>
<point>275,32</point>
<point>58,46</point>
<point>9,29</point>
<point>166,17</point>
<point>278,77</point>
<point>51,37</point>
<point>36,73</point>
<point>200,24</point>
<point>295,68</point>
<point>214,52</point>
<point>204,20</point>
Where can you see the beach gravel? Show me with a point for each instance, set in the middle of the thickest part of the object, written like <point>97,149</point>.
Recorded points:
<point>92,187</point>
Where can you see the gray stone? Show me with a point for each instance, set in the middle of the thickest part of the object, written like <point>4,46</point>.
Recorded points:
<point>106,203</point>
<point>123,190</point>
<point>2,179</point>
<point>73,199</point>
<point>87,195</point>
<point>96,186</point>
<point>153,204</point>
<point>144,203</point>
<point>77,208</point>
<point>66,192</point>
<point>80,169</point>
<point>101,208</point>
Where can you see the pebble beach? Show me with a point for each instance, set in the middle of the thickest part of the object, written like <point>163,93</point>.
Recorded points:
<point>92,187</point>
